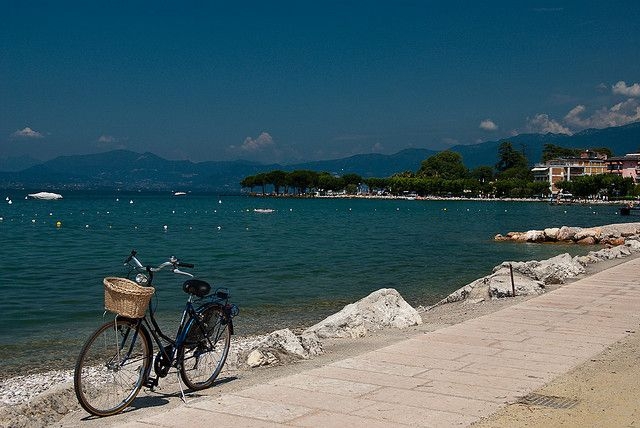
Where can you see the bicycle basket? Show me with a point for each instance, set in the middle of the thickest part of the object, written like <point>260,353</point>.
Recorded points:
<point>125,297</point>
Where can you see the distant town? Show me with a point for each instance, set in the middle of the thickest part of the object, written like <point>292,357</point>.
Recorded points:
<point>563,173</point>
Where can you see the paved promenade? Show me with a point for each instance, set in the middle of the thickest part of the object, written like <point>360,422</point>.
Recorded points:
<point>451,377</point>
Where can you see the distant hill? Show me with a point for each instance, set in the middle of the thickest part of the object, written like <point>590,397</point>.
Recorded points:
<point>17,163</point>
<point>621,140</point>
<point>129,170</point>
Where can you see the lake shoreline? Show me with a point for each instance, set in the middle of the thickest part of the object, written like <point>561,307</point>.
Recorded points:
<point>56,399</point>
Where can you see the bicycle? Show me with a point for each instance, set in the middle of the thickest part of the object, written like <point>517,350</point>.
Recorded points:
<point>116,360</point>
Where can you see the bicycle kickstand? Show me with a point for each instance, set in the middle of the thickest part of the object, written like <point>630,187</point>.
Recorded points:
<point>184,398</point>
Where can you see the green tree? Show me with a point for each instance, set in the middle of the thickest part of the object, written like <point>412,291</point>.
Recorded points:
<point>278,179</point>
<point>249,181</point>
<point>301,180</point>
<point>509,158</point>
<point>447,165</point>
<point>551,151</point>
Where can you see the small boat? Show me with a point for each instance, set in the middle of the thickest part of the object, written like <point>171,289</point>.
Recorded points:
<point>45,196</point>
<point>179,193</point>
<point>263,210</point>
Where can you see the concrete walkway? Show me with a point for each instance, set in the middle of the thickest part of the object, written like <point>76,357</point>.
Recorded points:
<point>451,377</point>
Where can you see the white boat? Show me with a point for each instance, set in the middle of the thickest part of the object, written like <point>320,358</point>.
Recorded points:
<point>179,193</point>
<point>263,210</point>
<point>45,196</point>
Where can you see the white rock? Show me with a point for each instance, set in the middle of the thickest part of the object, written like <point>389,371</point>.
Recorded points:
<point>566,233</point>
<point>380,309</point>
<point>534,236</point>
<point>551,234</point>
<point>256,358</point>
<point>592,232</point>
<point>633,244</point>
<point>500,285</point>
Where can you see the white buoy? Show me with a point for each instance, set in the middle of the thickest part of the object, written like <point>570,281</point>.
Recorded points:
<point>220,201</point>
<point>165,227</point>
<point>131,201</point>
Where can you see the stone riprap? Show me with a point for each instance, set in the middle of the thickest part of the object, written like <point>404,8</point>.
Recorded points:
<point>381,309</point>
<point>532,277</point>
<point>612,234</point>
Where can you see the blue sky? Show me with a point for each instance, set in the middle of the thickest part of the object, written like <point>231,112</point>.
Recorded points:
<point>298,80</point>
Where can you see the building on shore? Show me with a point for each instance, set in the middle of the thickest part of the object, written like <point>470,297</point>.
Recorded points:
<point>556,170</point>
<point>625,166</point>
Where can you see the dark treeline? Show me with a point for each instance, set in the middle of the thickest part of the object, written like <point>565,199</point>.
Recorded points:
<point>445,174</point>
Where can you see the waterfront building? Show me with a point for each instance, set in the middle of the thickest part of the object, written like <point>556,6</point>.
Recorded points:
<point>567,168</point>
<point>625,166</point>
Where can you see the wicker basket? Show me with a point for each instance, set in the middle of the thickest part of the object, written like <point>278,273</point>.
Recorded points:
<point>125,297</point>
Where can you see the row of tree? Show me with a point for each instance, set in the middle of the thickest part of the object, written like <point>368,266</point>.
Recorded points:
<point>444,174</point>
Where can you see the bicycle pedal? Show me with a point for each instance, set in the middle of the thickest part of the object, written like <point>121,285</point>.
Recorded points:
<point>151,382</point>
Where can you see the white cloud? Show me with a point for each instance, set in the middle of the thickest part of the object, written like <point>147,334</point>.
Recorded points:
<point>107,139</point>
<point>488,125</point>
<point>262,142</point>
<point>27,133</point>
<point>573,117</point>
<point>628,91</point>
<point>377,148</point>
<point>541,123</point>
<point>620,114</point>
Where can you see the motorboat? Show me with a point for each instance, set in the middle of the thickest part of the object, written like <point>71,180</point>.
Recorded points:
<point>45,196</point>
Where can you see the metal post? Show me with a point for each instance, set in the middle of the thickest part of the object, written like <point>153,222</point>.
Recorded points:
<point>513,285</point>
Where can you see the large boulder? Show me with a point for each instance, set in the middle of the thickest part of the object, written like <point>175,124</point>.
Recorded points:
<point>380,309</point>
<point>566,233</point>
<point>551,271</point>
<point>551,233</point>
<point>281,346</point>
<point>592,234</point>
<point>499,284</point>
<point>534,236</point>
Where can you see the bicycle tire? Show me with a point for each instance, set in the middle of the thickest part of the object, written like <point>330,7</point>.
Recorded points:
<point>112,366</point>
<point>206,348</point>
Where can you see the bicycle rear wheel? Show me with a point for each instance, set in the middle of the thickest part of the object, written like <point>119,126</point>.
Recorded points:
<point>111,367</point>
<point>205,349</point>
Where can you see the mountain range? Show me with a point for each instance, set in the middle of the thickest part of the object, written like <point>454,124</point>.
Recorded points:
<point>133,171</point>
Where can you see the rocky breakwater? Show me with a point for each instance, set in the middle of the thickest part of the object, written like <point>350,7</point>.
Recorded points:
<point>612,234</point>
<point>533,277</point>
<point>383,308</point>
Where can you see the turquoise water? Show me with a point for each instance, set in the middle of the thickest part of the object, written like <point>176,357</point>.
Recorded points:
<point>288,268</point>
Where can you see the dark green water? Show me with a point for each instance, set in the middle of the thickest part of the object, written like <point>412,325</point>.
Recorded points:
<point>288,268</point>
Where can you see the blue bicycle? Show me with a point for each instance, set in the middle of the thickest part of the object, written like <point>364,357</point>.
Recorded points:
<point>116,361</point>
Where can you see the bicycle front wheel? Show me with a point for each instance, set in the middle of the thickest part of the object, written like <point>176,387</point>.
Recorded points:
<point>206,348</point>
<point>111,367</point>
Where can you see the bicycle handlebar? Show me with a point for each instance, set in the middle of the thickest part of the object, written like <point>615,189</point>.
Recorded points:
<point>173,262</point>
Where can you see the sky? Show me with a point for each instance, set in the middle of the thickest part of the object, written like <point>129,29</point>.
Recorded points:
<point>291,81</point>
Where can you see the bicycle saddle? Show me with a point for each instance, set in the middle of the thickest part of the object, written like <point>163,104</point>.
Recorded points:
<point>196,287</point>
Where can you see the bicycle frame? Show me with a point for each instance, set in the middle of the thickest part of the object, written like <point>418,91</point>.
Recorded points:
<point>198,351</point>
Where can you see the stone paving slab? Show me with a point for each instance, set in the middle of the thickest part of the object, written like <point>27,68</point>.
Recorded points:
<point>449,377</point>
